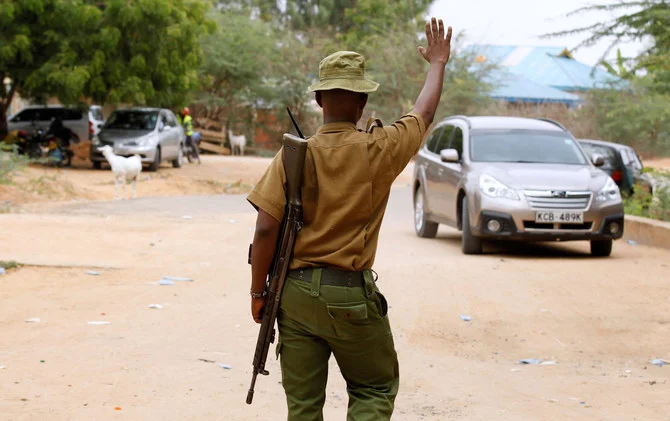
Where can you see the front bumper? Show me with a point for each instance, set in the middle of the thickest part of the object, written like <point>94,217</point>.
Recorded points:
<point>517,222</point>
<point>147,153</point>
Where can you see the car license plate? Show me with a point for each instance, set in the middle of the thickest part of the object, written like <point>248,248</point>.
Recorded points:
<point>563,217</point>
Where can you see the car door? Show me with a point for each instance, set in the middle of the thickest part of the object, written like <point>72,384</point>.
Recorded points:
<point>168,149</point>
<point>175,135</point>
<point>450,176</point>
<point>435,171</point>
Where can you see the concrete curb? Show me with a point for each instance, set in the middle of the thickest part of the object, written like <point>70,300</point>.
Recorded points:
<point>647,231</point>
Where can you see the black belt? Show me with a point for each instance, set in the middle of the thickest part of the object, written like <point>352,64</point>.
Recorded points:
<point>330,276</point>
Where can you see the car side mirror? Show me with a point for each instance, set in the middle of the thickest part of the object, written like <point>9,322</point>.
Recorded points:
<point>449,155</point>
<point>597,160</point>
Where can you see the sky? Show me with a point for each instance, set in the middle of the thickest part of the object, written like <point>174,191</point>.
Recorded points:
<point>521,22</point>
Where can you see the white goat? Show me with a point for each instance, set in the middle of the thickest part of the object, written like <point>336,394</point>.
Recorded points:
<point>124,169</point>
<point>237,142</point>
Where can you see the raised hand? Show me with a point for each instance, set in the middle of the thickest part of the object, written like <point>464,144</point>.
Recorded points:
<point>439,46</point>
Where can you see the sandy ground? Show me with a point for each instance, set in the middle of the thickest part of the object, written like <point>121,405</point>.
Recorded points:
<point>216,175</point>
<point>38,186</point>
<point>600,320</point>
<point>660,164</point>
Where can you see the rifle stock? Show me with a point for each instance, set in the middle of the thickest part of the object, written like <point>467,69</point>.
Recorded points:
<point>293,155</point>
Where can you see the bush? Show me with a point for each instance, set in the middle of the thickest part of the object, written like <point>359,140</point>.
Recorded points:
<point>10,162</point>
<point>656,206</point>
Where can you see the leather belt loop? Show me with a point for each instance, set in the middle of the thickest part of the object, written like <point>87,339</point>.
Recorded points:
<point>316,282</point>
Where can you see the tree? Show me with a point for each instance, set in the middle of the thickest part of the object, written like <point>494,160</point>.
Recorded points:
<point>649,22</point>
<point>135,51</point>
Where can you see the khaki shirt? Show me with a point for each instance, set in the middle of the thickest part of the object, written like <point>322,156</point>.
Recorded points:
<point>347,180</point>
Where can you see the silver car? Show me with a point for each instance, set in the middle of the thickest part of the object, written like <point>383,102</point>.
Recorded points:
<point>506,178</point>
<point>151,133</point>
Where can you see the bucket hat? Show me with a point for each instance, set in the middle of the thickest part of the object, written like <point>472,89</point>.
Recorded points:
<point>343,70</point>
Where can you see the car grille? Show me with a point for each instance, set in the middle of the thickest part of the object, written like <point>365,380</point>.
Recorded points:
<point>563,200</point>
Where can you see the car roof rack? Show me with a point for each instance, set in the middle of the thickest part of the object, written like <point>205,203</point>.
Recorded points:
<point>554,122</point>
<point>462,117</point>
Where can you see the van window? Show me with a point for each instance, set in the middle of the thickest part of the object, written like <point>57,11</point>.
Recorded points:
<point>29,114</point>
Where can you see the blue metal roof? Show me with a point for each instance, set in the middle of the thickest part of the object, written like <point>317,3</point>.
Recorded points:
<point>548,66</point>
<point>513,88</point>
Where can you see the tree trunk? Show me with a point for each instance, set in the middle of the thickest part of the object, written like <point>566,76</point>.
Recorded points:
<point>3,121</point>
<point>4,105</point>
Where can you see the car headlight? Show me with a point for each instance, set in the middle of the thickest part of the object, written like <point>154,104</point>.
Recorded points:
<point>494,188</point>
<point>609,192</point>
<point>145,141</point>
<point>95,141</point>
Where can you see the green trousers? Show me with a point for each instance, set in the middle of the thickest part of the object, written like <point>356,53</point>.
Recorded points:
<point>350,322</point>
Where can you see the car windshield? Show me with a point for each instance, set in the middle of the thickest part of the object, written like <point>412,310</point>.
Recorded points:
<point>609,154</point>
<point>525,146</point>
<point>132,120</point>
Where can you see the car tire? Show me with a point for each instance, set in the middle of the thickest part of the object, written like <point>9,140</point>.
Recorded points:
<point>179,161</point>
<point>157,161</point>
<point>469,243</point>
<point>601,248</point>
<point>423,227</point>
<point>97,165</point>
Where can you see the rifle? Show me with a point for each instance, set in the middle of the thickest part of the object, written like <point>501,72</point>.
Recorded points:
<point>294,151</point>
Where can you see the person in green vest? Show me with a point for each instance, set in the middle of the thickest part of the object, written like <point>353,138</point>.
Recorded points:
<point>187,122</point>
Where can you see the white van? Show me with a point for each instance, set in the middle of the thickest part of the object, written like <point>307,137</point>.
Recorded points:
<point>84,124</point>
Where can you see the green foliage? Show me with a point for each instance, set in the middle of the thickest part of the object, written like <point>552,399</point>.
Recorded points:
<point>138,51</point>
<point>638,118</point>
<point>9,264</point>
<point>647,21</point>
<point>10,163</point>
<point>655,205</point>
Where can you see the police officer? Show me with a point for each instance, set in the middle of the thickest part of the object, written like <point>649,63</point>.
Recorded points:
<point>330,303</point>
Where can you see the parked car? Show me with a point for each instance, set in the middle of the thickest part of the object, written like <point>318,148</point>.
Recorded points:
<point>506,178</point>
<point>96,119</point>
<point>621,162</point>
<point>151,133</point>
<point>40,117</point>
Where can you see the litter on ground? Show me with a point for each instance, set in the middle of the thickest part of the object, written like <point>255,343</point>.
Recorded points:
<point>33,320</point>
<point>92,272</point>
<point>465,318</point>
<point>98,323</point>
<point>177,279</point>
<point>2,271</point>
<point>156,306</point>
<point>226,366</point>
<point>659,362</point>
<point>165,282</point>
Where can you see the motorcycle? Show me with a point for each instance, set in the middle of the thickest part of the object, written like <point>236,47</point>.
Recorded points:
<point>44,145</point>
<point>188,147</point>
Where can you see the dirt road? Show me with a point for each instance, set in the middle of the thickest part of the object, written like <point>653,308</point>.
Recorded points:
<point>600,320</point>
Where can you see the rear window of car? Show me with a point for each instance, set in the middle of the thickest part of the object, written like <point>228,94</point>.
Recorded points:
<point>97,114</point>
<point>609,154</point>
<point>525,146</point>
<point>132,120</point>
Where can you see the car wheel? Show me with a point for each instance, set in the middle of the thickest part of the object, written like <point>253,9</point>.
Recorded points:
<point>157,161</point>
<point>424,228</point>
<point>177,163</point>
<point>601,248</point>
<point>469,243</point>
<point>97,165</point>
